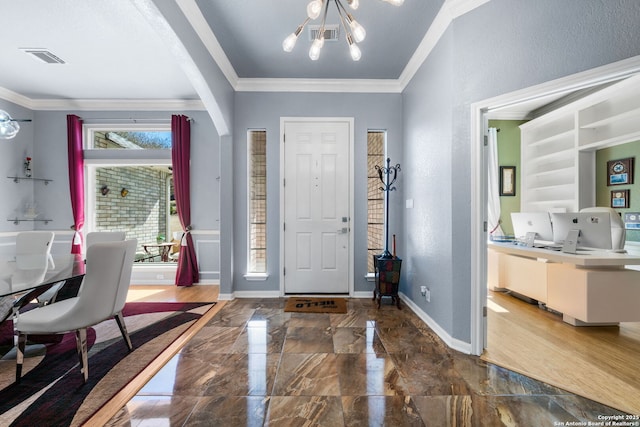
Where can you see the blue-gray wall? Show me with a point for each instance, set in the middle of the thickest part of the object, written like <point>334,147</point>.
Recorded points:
<point>497,48</point>
<point>502,46</point>
<point>263,111</point>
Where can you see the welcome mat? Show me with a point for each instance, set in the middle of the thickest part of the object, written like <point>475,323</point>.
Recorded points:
<point>52,391</point>
<point>316,305</point>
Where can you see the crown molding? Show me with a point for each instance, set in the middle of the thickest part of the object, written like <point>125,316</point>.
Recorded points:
<point>197,20</point>
<point>319,85</point>
<point>16,98</point>
<point>450,10</point>
<point>102,104</point>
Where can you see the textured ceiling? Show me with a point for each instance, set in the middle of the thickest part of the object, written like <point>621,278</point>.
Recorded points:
<point>112,51</point>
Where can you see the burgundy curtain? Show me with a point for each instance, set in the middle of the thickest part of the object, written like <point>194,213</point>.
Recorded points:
<point>76,179</point>
<point>187,273</point>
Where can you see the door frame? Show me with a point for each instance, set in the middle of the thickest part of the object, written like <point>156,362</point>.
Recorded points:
<point>351,163</point>
<point>480,113</point>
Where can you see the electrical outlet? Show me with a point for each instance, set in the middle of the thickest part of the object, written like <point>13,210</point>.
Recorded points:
<point>428,295</point>
<point>423,290</point>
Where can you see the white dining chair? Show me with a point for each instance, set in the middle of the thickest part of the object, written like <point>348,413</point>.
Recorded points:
<point>32,260</point>
<point>104,236</point>
<point>102,295</point>
<point>49,296</point>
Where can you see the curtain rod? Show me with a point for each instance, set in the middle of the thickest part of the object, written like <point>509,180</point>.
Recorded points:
<point>130,119</point>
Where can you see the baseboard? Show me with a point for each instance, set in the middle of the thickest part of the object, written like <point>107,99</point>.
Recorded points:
<point>454,343</point>
<point>361,294</point>
<point>249,294</point>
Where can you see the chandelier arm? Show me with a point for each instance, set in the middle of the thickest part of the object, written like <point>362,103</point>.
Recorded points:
<point>324,20</point>
<point>347,32</point>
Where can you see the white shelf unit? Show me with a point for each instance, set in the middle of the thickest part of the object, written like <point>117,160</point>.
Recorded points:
<point>558,148</point>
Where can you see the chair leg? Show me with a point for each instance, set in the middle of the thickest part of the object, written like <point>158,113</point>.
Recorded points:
<point>81,343</point>
<point>22,342</point>
<point>123,329</point>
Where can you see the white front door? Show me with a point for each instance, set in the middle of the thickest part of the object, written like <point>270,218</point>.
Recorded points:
<point>317,206</point>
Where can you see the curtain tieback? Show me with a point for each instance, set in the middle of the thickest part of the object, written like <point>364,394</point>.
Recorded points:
<point>183,240</point>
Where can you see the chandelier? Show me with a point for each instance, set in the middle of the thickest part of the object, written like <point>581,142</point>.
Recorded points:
<point>354,32</point>
<point>9,127</point>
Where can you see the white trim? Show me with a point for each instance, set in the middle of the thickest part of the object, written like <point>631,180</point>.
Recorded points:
<point>454,343</point>
<point>599,75</point>
<point>199,23</point>
<point>350,121</point>
<point>450,10</point>
<point>256,277</point>
<point>319,85</point>
<point>363,294</point>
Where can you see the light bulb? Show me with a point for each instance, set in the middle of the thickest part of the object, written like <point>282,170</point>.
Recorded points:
<point>357,30</point>
<point>395,2</point>
<point>314,51</point>
<point>289,43</point>
<point>8,127</point>
<point>354,50</point>
<point>314,8</point>
<point>354,4</point>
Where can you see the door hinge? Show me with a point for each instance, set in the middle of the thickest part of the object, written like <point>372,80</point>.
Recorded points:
<point>284,137</point>
<point>284,271</point>
<point>284,182</point>
<point>486,140</point>
<point>484,311</point>
<point>284,226</point>
<point>484,226</point>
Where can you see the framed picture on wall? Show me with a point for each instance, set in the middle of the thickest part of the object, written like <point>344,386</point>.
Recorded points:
<point>507,180</point>
<point>620,199</point>
<point>620,171</point>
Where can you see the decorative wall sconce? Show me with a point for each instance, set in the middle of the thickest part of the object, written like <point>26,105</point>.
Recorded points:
<point>124,192</point>
<point>9,127</point>
<point>104,190</point>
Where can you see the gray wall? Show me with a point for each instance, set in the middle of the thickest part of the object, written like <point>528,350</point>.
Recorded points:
<point>12,155</point>
<point>263,111</point>
<point>497,48</point>
<point>46,140</point>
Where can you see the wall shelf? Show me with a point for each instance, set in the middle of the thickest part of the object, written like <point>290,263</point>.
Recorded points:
<point>17,221</point>
<point>558,148</point>
<point>26,178</point>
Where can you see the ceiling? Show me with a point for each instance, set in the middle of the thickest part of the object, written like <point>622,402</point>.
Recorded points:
<point>112,50</point>
<point>125,50</point>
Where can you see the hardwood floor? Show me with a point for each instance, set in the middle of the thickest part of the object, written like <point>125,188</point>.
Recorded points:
<point>158,293</point>
<point>601,363</point>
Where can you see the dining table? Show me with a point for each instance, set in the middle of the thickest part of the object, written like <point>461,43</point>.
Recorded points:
<point>68,268</point>
<point>163,249</point>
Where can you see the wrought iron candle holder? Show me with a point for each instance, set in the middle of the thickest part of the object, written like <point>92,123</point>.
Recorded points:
<point>388,177</point>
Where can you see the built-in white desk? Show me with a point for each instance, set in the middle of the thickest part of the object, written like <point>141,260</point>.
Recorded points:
<point>592,287</point>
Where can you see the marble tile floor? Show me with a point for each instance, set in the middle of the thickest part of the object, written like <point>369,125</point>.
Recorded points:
<point>255,365</point>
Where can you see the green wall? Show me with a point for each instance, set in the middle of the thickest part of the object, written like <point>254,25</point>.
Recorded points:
<point>603,192</point>
<point>509,155</point>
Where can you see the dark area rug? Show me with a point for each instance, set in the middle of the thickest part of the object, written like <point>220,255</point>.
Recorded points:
<point>53,392</point>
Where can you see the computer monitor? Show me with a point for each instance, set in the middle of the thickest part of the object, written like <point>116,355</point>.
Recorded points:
<point>538,222</point>
<point>595,228</point>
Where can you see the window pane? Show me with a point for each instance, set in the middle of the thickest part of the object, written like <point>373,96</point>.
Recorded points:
<point>138,200</point>
<point>375,196</point>
<point>257,194</point>
<point>140,140</point>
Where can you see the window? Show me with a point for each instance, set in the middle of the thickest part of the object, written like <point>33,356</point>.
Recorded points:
<point>375,197</point>
<point>257,203</point>
<point>132,192</point>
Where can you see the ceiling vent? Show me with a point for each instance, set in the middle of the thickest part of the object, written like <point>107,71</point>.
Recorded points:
<point>331,32</point>
<point>43,55</point>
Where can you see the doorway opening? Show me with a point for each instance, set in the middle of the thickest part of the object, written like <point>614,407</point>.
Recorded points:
<point>511,106</point>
